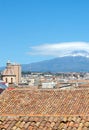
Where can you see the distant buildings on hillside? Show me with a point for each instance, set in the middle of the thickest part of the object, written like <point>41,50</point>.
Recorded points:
<point>12,75</point>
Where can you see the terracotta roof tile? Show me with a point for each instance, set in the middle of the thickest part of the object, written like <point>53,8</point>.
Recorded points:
<point>47,102</point>
<point>44,123</point>
<point>44,109</point>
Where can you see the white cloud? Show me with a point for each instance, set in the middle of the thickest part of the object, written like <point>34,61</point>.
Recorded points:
<point>61,49</point>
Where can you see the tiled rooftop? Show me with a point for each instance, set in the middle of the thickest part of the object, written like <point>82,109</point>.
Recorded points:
<point>44,102</point>
<point>27,109</point>
<point>84,86</point>
<point>44,123</point>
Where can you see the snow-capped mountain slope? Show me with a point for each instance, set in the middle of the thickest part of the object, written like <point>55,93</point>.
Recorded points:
<point>60,64</point>
<point>61,49</point>
<point>75,61</point>
<point>77,53</point>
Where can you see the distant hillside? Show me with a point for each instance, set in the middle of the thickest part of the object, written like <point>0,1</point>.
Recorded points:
<point>60,64</point>
<point>2,68</point>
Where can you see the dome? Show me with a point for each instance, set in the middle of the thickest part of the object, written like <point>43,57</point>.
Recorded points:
<point>8,71</point>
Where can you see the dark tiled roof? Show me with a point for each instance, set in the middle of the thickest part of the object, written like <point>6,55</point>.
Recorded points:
<point>1,90</point>
<point>44,102</point>
<point>44,123</point>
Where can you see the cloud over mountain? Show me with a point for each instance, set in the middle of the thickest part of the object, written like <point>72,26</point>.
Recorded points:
<point>61,49</point>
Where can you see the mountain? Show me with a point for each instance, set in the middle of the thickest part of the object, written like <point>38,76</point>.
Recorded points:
<point>60,64</point>
<point>2,68</point>
<point>82,53</point>
<point>73,63</point>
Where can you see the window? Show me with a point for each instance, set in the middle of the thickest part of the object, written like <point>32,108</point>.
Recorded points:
<point>11,80</point>
<point>6,80</point>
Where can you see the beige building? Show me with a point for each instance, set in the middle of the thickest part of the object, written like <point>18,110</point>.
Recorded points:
<point>12,73</point>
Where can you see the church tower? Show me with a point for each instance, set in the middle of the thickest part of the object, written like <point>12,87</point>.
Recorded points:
<point>12,73</point>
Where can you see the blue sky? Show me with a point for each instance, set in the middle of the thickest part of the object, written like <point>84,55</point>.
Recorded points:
<point>26,25</point>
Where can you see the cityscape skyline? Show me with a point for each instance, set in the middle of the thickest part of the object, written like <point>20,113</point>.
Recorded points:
<point>27,25</point>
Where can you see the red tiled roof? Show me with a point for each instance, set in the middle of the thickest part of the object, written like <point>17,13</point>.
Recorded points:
<point>84,86</point>
<point>44,102</point>
<point>44,109</point>
<point>44,123</point>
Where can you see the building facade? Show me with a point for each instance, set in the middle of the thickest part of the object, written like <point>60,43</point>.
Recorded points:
<point>12,73</point>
